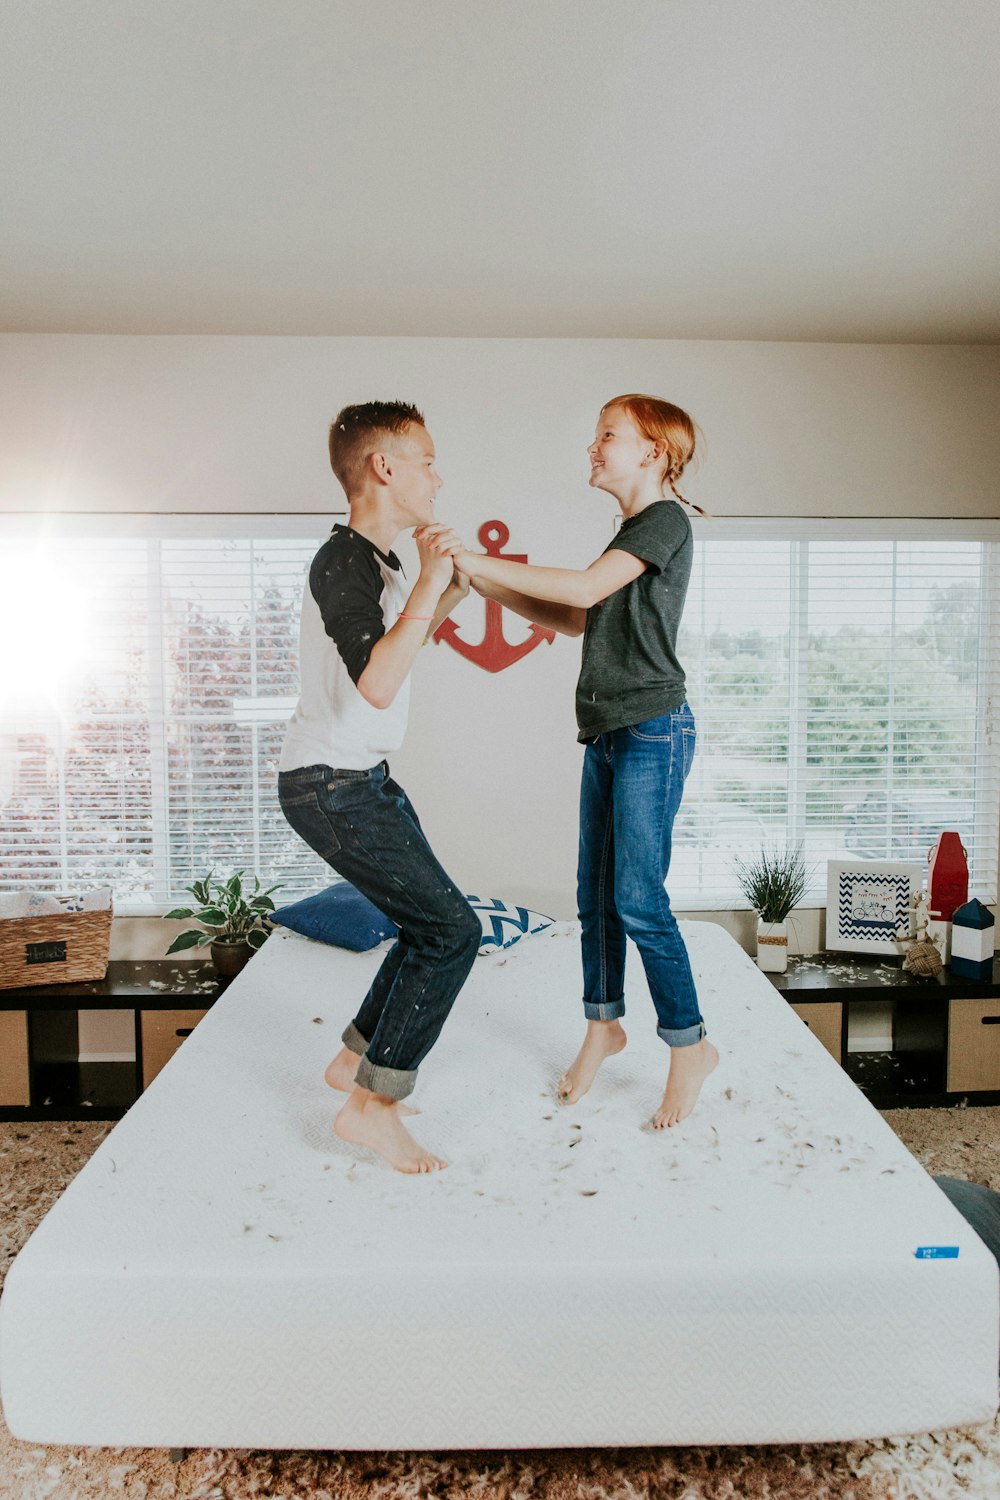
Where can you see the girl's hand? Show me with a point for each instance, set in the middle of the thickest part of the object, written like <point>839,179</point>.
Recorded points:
<point>459,582</point>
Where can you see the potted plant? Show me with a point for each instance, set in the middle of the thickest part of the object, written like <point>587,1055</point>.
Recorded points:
<point>234,918</point>
<point>774,882</point>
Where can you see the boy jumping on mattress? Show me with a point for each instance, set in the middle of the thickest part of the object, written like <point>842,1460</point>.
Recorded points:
<point>362,627</point>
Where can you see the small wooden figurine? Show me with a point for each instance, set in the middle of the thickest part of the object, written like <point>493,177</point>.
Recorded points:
<point>923,958</point>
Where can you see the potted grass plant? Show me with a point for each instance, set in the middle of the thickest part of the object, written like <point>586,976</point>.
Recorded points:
<point>234,917</point>
<point>774,882</point>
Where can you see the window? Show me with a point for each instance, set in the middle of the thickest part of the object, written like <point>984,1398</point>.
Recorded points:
<point>141,717</point>
<point>844,678</point>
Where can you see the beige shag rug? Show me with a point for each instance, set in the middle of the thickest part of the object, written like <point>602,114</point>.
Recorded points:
<point>38,1160</point>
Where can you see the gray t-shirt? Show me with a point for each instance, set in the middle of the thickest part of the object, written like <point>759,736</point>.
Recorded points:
<point>630,670</point>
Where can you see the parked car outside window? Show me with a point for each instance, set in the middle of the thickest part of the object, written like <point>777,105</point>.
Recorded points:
<point>726,825</point>
<point>905,826</point>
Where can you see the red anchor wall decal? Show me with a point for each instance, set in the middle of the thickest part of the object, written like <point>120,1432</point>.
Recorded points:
<point>494,653</point>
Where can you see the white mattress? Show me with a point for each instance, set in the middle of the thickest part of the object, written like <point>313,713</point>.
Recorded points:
<point>225,1272</point>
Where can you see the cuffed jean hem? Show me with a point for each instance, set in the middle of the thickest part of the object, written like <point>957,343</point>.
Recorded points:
<point>612,1010</point>
<point>393,1083</point>
<point>687,1036</point>
<point>354,1041</point>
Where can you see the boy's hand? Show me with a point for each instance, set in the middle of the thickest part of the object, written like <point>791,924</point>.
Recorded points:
<point>459,582</point>
<point>465,562</point>
<point>435,545</point>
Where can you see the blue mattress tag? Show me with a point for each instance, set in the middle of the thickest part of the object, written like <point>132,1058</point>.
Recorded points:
<point>937,1252</point>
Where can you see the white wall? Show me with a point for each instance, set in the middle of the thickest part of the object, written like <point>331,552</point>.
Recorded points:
<point>239,424</point>
<point>176,423</point>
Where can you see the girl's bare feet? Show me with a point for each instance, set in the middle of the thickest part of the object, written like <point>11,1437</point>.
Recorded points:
<point>603,1039</point>
<point>372,1120</point>
<point>341,1073</point>
<point>689,1067</point>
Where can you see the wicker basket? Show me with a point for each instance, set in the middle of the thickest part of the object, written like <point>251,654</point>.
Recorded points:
<point>62,948</point>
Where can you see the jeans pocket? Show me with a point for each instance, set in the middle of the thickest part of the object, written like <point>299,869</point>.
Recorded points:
<point>344,778</point>
<point>298,797</point>
<point>306,814</point>
<point>660,728</point>
<point>688,742</point>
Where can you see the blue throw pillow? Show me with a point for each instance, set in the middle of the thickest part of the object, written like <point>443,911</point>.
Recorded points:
<point>339,915</point>
<point>504,925</point>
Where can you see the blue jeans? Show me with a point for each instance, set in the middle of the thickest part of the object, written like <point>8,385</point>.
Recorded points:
<point>633,779</point>
<point>364,825</point>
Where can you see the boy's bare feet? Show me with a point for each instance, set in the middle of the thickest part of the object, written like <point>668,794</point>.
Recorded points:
<point>603,1039</point>
<point>372,1120</point>
<point>689,1067</point>
<point>341,1073</point>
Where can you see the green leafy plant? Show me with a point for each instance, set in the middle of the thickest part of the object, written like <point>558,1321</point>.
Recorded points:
<point>773,881</point>
<point>232,914</point>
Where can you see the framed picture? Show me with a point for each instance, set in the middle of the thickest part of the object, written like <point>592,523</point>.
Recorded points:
<point>869,904</point>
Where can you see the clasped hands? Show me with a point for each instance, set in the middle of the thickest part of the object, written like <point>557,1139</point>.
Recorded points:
<point>440,548</point>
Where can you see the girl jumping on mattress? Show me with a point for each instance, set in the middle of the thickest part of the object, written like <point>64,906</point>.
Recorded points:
<point>638,730</point>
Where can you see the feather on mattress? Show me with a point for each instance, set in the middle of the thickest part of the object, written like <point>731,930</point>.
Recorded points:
<point>225,1272</point>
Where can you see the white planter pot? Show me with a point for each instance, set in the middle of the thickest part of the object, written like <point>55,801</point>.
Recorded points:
<point>772,946</point>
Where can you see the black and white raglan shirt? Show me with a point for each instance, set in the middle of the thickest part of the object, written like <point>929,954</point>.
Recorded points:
<point>355,594</point>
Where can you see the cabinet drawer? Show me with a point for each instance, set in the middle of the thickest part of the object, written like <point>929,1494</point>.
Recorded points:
<point>825,1019</point>
<point>162,1032</point>
<point>973,1045</point>
<point>14,1083</point>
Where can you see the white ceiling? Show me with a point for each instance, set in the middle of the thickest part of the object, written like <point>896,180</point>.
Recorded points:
<point>748,169</point>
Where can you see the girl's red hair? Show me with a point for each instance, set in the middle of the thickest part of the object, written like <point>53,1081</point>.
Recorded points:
<point>663,423</point>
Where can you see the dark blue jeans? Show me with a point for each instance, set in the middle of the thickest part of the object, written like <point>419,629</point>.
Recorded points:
<point>363,824</point>
<point>633,779</point>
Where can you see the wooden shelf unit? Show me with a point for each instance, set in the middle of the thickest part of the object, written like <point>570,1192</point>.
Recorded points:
<point>945,1030</point>
<point>41,1074</point>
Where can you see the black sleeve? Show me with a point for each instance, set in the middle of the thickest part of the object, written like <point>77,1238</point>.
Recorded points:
<point>347,585</point>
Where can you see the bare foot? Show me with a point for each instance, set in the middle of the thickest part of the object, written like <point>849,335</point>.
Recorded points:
<point>689,1067</point>
<point>371,1120</point>
<point>603,1039</point>
<point>340,1075</point>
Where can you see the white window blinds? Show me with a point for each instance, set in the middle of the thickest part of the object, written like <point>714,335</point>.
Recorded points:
<point>844,679</point>
<point>846,691</point>
<point>144,709</point>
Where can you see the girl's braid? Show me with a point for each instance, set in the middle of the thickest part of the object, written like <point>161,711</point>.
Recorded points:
<point>673,471</point>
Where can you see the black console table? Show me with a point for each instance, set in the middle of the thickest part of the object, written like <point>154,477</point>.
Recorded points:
<point>945,1030</point>
<point>41,1074</point>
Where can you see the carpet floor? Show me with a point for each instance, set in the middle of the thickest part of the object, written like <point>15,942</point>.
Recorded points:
<point>38,1160</point>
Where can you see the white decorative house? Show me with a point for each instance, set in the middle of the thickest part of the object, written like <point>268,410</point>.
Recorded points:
<point>972,941</point>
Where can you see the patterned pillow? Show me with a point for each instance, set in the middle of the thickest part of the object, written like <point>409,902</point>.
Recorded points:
<point>344,918</point>
<point>504,925</point>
